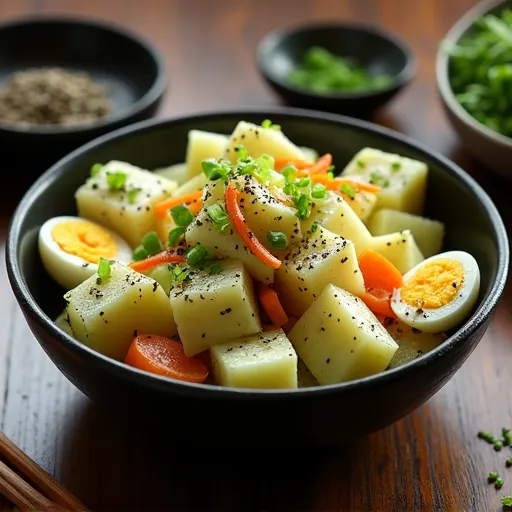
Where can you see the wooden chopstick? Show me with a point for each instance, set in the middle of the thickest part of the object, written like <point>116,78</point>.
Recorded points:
<point>56,495</point>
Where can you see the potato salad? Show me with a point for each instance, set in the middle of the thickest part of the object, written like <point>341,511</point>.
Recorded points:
<point>254,264</point>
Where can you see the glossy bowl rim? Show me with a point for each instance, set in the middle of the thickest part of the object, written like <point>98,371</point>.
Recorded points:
<point>442,76</point>
<point>271,39</point>
<point>150,97</point>
<point>35,313</point>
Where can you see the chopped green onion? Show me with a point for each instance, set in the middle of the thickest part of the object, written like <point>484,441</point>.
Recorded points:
<point>396,166</point>
<point>330,174</point>
<point>314,226</point>
<point>499,483</point>
<point>304,182</point>
<point>241,152</point>
<point>116,180</point>
<point>139,254</point>
<point>498,445</point>
<point>267,123</point>
<point>377,178</point>
<point>506,501</point>
<point>215,170</point>
<point>215,268</point>
<point>508,462</point>
<point>347,189</point>
<point>487,436</point>
<point>493,476</point>
<point>178,273</point>
<point>104,268</point>
<point>302,204</point>
<point>218,216</point>
<point>318,191</point>
<point>507,436</point>
<point>331,170</point>
<point>361,164</point>
<point>289,173</point>
<point>175,235</point>
<point>289,189</point>
<point>96,169</point>
<point>277,240</point>
<point>196,255</point>
<point>151,243</point>
<point>265,162</point>
<point>132,195</point>
<point>181,216</point>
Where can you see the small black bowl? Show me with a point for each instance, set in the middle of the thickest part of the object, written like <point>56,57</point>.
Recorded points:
<point>127,64</point>
<point>297,418</point>
<point>378,51</point>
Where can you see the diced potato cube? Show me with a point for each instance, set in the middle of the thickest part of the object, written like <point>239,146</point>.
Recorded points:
<point>339,218</point>
<point>403,180</point>
<point>429,234</point>
<point>203,145</point>
<point>176,172</point>
<point>105,314</point>
<point>412,343</point>
<point>319,259</point>
<point>131,217</point>
<point>192,185</point>
<point>264,361</point>
<point>309,154</point>
<point>258,140</point>
<point>400,249</point>
<point>340,339</point>
<point>62,321</point>
<point>210,309</point>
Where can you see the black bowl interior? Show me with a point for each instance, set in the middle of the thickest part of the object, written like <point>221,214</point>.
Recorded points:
<point>282,52</point>
<point>324,415</point>
<point>121,61</point>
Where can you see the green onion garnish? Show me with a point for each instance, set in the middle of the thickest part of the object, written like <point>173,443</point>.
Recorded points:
<point>104,268</point>
<point>151,243</point>
<point>277,240</point>
<point>508,462</point>
<point>396,166</point>
<point>196,255</point>
<point>361,164</point>
<point>95,169</point>
<point>377,178</point>
<point>289,173</point>
<point>302,204</point>
<point>506,501</point>
<point>347,189</point>
<point>499,483</point>
<point>493,476</point>
<point>181,216</point>
<point>314,226</point>
<point>267,123</point>
<point>215,170</point>
<point>116,180</point>
<point>318,191</point>
<point>498,445</point>
<point>178,273</point>
<point>241,152</point>
<point>215,268</point>
<point>175,235</point>
<point>139,254</point>
<point>132,195</point>
<point>304,182</point>
<point>218,216</point>
<point>487,436</point>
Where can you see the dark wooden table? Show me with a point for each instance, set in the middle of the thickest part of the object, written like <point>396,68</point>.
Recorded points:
<point>431,460</point>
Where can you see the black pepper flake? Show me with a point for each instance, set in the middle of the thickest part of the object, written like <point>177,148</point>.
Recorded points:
<point>454,285</point>
<point>135,332</point>
<point>203,335</point>
<point>322,328</point>
<point>327,360</point>
<point>98,281</point>
<point>102,313</point>
<point>343,260</point>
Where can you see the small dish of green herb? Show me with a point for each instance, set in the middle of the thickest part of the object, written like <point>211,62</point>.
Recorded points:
<point>481,71</point>
<point>323,71</point>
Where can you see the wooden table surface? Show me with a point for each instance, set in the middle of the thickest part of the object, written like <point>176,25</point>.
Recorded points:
<point>431,460</point>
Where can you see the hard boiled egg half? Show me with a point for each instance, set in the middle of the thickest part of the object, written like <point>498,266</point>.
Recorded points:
<point>439,293</point>
<point>70,248</point>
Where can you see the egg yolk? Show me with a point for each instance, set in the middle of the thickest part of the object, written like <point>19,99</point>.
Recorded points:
<point>85,240</point>
<point>434,285</point>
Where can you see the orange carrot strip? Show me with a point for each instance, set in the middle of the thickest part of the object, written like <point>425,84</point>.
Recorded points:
<point>272,306</point>
<point>281,163</point>
<point>163,356</point>
<point>378,272</point>
<point>336,183</point>
<point>379,302</point>
<point>162,207</point>
<point>195,206</point>
<point>157,259</point>
<point>330,184</point>
<point>322,165</point>
<point>240,225</point>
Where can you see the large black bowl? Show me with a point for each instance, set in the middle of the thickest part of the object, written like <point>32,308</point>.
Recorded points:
<point>327,414</point>
<point>126,63</point>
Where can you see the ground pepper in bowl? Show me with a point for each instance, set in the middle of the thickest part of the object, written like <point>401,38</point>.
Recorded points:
<point>53,96</point>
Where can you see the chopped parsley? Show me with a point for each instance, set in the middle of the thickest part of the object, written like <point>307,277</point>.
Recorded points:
<point>178,273</point>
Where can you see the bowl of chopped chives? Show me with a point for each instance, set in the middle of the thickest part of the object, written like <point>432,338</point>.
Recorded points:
<point>474,80</point>
<point>83,79</point>
<point>345,68</point>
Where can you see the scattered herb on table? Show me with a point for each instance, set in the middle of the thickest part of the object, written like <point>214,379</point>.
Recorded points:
<point>322,71</point>
<point>506,501</point>
<point>480,70</point>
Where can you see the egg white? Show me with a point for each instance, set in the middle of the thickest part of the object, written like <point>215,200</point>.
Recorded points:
<point>67,269</point>
<point>452,314</point>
